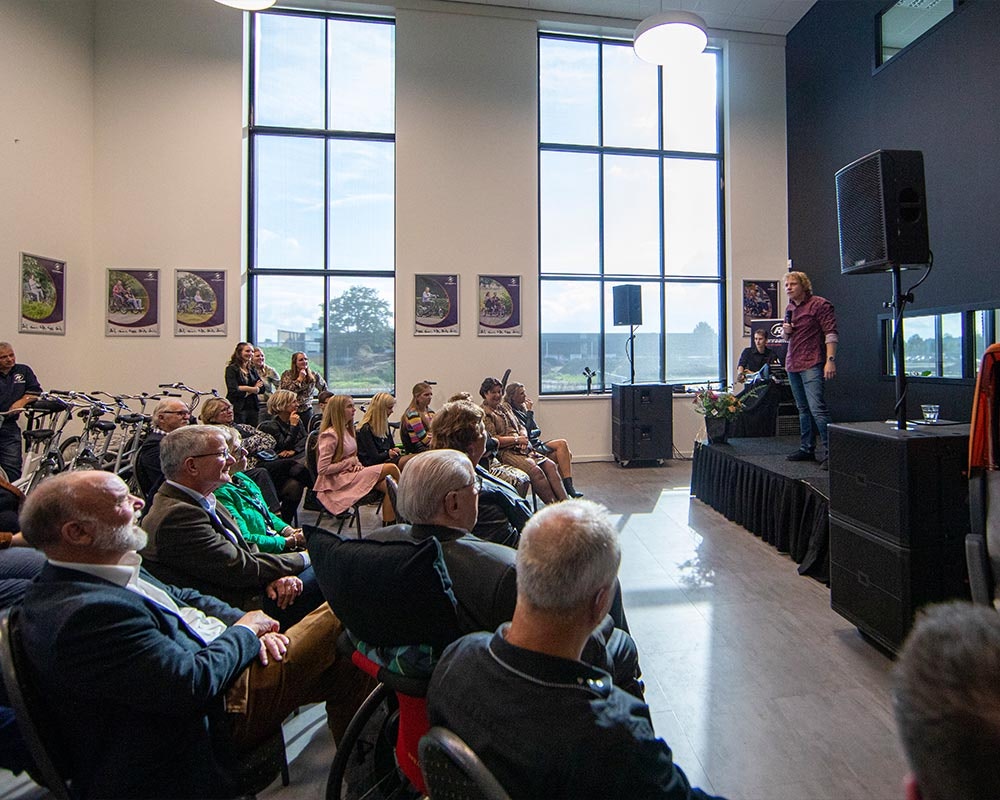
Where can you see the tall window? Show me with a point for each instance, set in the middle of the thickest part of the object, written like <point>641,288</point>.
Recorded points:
<point>630,165</point>
<point>322,195</point>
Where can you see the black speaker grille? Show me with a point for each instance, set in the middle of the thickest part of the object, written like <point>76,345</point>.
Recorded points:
<point>861,214</point>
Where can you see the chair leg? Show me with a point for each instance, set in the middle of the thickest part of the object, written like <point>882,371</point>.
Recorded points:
<point>357,518</point>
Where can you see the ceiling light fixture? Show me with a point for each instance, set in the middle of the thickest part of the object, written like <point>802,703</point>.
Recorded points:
<point>669,36</point>
<point>248,5</point>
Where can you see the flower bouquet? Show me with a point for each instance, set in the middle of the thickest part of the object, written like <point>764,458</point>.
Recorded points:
<point>718,407</point>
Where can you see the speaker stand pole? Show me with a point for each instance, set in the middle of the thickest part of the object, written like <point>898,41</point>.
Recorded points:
<point>631,354</point>
<point>899,303</point>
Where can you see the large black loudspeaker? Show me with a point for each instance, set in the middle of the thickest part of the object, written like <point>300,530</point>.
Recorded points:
<point>898,518</point>
<point>642,421</point>
<point>628,304</point>
<point>882,212</point>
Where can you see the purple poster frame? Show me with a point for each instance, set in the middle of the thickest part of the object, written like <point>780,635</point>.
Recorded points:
<point>132,303</point>
<point>200,302</point>
<point>499,305</point>
<point>435,305</point>
<point>42,295</point>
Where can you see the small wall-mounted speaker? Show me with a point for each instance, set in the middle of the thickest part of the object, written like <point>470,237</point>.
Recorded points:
<point>628,304</point>
<point>882,212</point>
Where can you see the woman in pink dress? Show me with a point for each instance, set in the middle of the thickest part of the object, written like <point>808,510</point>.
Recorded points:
<point>341,479</point>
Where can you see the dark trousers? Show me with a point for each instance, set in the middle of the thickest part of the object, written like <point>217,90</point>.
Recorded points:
<point>310,599</point>
<point>10,449</point>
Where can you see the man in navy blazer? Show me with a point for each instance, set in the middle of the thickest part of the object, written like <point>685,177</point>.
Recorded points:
<point>153,689</point>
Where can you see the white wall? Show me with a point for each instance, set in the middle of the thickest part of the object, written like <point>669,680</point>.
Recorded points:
<point>133,110</point>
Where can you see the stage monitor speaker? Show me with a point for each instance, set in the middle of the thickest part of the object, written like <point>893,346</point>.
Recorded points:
<point>628,304</point>
<point>882,212</point>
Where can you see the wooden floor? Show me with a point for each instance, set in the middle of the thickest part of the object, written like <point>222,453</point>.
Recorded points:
<point>760,689</point>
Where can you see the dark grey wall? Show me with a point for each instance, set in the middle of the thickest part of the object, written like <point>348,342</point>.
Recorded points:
<point>942,97</point>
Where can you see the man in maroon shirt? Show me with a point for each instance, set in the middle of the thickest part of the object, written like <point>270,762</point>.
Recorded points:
<point>811,329</point>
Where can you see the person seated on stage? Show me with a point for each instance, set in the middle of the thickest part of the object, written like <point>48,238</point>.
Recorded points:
<point>519,402</point>
<point>288,472</point>
<point>151,686</point>
<point>243,499</point>
<point>193,542</point>
<point>341,479</point>
<point>168,415</point>
<point>946,699</point>
<point>515,446</point>
<point>502,511</point>
<point>531,680</point>
<point>415,424</point>
<point>437,493</point>
<point>754,359</point>
<point>375,442</point>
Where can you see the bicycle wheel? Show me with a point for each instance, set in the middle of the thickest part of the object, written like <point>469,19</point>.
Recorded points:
<point>69,448</point>
<point>48,466</point>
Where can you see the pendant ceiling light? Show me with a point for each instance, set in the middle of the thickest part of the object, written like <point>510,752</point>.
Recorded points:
<point>247,5</point>
<point>669,36</point>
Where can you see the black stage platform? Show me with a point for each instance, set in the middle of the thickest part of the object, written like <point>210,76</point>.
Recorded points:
<point>785,503</point>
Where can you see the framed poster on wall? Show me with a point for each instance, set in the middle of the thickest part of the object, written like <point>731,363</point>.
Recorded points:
<point>499,305</point>
<point>200,305</point>
<point>42,295</point>
<point>435,305</point>
<point>133,302</point>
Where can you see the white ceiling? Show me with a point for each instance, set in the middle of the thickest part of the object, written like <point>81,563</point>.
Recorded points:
<point>756,16</point>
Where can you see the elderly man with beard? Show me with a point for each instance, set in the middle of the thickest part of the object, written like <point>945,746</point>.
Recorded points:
<point>153,688</point>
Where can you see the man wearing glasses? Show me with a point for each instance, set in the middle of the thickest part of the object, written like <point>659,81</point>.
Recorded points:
<point>196,544</point>
<point>168,415</point>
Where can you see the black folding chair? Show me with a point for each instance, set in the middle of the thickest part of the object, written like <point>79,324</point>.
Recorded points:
<point>452,771</point>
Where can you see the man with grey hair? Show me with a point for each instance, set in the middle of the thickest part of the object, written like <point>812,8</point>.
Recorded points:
<point>194,542</point>
<point>529,679</point>
<point>18,387</point>
<point>154,690</point>
<point>946,698</point>
<point>169,414</point>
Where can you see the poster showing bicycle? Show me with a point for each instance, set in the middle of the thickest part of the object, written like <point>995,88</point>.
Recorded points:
<point>43,295</point>
<point>201,302</point>
<point>435,305</point>
<point>133,300</point>
<point>499,305</point>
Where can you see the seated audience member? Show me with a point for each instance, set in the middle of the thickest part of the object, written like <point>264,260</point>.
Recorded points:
<point>341,478</point>
<point>305,383</point>
<point>243,384</point>
<point>11,499</point>
<point>375,442</point>
<point>437,493</point>
<point>946,698</point>
<point>528,679</point>
<point>502,512</point>
<point>415,424</point>
<point>521,405</point>
<point>513,476</point>
<point>168,415</point>
<point>242,498</point>
<point>219,411</point>
<point>321,400</point>
<point>754,359</point>
<point>152,686</point>
<point>289,474</point>
<point>195,543</point>
<point>515,446</point>
<point>271,382</point>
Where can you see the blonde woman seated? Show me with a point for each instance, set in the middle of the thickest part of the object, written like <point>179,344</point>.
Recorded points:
<point>516,397</point>
<point>244,501</point>
<point>515,446</point>
<point>342,479</point>
<point>513,476</point>
<point>375,442</point>
<point>415,424</point>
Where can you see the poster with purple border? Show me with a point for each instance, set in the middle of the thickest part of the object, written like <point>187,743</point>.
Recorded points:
<point>499,305</point>
<point>43,295</point>
<point>133,302</point>
<point>435,305</point>
<point>200,305</point>
<point>760,301</point>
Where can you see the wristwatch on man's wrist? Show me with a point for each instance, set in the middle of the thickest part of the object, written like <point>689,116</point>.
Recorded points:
<point>831,358</point>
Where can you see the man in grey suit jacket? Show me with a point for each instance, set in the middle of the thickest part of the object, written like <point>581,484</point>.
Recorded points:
<point>195,543</point>
<point>155,690</point>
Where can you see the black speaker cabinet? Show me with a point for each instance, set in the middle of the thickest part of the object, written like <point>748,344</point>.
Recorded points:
<point>882,212</point>
<point>642,421</point>
<point>907,487</point>
<point>628,304</point>
<point>878,585</point>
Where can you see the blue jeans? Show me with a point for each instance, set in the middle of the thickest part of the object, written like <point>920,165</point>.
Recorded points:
<point>807,389</point>
<point>10,449</point>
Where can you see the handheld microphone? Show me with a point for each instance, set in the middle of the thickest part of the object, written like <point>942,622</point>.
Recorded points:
<point>788,314</point>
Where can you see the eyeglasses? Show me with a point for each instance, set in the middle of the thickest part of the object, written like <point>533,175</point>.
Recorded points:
<point>239,451</point>
<point>223,453</point>
<point>184,413</point>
